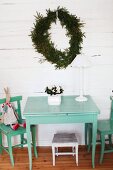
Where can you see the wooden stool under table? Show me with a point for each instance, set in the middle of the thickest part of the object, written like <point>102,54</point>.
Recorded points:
<point>64,140</point>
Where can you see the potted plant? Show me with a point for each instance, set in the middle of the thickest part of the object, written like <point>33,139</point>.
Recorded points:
<point>54,94</point>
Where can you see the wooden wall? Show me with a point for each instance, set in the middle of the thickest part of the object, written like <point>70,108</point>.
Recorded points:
<point>24,75</point>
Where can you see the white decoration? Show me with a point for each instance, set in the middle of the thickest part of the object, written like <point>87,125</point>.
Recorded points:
<point>54,99</point>
<point>81,62</point>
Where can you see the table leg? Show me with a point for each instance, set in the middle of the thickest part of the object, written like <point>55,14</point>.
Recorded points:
<point>86,131</point>
<point>94,134</point>
<point>29,144</point>
<point>33,130</point>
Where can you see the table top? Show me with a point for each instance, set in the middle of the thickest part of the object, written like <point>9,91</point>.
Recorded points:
<point>39,106</point>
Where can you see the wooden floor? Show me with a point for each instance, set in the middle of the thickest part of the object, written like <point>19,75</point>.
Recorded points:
<point>44,161</point>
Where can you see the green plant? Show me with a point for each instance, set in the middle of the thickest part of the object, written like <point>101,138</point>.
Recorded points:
<point>54,90</point>
<point>41,38</point>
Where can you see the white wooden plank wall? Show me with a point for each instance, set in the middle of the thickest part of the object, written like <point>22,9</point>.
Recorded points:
<point>21,71</point>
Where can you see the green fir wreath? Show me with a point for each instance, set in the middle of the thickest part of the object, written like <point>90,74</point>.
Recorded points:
<point>41,38</point>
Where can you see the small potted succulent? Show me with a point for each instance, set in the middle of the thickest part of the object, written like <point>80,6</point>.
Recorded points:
<point>54,90</point>
<point>54,94</point>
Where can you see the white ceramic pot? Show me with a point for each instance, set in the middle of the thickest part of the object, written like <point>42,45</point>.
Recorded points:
<point>54,99</point>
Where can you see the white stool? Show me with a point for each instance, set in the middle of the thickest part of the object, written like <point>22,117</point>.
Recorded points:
<point>64,140</point>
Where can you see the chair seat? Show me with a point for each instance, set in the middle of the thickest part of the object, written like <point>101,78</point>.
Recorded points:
<point>105,126</point>
<point>64,138</point>
<point>8,130</point>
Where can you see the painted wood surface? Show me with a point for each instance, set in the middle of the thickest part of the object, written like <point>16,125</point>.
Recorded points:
<point>19,63</point>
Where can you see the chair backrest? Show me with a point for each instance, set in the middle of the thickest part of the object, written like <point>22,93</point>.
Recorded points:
<point>111,114</point>
<point>17,102</point>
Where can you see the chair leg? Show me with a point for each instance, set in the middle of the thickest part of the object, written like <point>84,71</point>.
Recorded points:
<point>56,151</point>
<point>33,131</point>
<point>86,133</point>
<point>102,148</point>
<point>10,150</point>
<point>76,151</point>
<point>22,140</point>
<point>89,131</point>
<point>1,143</point>
<point>110,140</point>
<point>73,150</point>
<point>53,155</point>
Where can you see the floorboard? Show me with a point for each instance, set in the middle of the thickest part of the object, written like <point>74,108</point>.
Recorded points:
<point>44,161</point>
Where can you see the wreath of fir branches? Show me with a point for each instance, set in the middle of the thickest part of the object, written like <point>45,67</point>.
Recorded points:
<point>41,37</point>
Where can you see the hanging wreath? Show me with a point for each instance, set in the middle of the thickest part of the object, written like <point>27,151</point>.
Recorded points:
<point>41,37</point>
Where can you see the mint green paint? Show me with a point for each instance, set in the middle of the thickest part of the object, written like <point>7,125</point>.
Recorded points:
<point>9,132</point>
<point>37,111</point>
<point>104,131</point>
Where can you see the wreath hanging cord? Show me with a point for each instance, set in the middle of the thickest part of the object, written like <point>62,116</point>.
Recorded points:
<point>41,37</point>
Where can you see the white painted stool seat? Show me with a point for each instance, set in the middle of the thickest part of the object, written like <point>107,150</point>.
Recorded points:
<point>64,140</point>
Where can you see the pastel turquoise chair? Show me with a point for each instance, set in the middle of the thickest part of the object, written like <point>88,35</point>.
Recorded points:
<point>9,132</point>
<point>104,131</point>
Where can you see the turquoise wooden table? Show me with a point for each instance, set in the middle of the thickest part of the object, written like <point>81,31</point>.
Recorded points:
<point>37,111</point>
